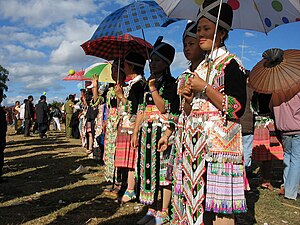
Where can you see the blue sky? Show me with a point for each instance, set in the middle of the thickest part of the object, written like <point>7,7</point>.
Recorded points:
<point>40,43</point>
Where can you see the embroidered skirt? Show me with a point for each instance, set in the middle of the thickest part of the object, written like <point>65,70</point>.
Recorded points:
<point>125,156</point>
<point>110,144</point>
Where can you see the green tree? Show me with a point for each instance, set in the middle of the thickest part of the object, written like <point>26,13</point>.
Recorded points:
<point>3,78</point>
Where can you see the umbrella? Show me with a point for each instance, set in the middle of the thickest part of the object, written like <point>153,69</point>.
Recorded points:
<point>278,71</point>
<point>135,16</point>
<point>78,75</point>
<point>102,70</point>
<point>112,47</point>
<point>258,15</point>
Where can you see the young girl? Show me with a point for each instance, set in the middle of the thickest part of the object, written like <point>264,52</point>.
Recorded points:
<point>130,98</point>
<point>159,106</point>
<point>213,141</point>
<point>195,55</point>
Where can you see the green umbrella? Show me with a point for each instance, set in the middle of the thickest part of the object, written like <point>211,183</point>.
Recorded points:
<point>102,70</point>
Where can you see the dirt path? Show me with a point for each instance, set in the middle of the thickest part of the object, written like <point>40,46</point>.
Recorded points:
<point>43,188</point>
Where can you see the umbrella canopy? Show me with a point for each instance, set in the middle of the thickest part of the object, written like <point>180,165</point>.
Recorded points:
<point>78,75</point>
<point>102,70</point>
<point>278,71</point>
<point>258,15</point>
<point>112,47</point>
<point>135,16</point>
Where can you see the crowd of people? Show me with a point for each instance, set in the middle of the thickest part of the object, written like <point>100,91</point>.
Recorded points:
<point>192,138</point>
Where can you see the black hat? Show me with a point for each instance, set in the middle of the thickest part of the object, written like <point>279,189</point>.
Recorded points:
<point>190,30</point>
<point>43,97</point>
<point>135,59</point>
<point>165,51</point>
<point>210,9</point>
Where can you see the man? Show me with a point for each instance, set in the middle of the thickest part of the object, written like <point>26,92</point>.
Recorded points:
<point>287,119</point>
<point>3,129</point>
<point>41,110</point>
<point>69,112</point>
<point>29,114</point>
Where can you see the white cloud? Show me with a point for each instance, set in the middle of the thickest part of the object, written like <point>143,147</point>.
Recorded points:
<point>43,13</point>
<point>249,34</point>
<point>180,63</point>
<point>19,53</point>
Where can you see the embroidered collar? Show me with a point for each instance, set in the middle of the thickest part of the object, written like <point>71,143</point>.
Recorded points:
<point>217,53</point>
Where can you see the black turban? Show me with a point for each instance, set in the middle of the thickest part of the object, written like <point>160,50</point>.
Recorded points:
<point>210,8</point>
<point>163,50</point>
<point>135,59</point>
<point>190,30</point>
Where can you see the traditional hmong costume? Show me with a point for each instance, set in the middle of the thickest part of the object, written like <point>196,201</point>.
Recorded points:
<point>153,164</point>
<point>110,135</point>
<point>213,139</point>
<point>266,145</point>
<point>178,207</point>
<point>125,156</point>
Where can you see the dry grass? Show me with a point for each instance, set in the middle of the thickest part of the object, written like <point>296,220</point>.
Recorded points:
<point>43,188</point>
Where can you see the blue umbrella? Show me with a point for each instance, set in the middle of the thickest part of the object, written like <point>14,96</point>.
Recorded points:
<point>135,16</point>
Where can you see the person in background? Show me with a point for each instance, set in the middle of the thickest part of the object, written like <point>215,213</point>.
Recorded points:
<point>3,130</point>
<point>56,115</point>
<point>28,116</point>
<point>41,110</point>
<point>247,123</point>
<point>16,113</point>
<point>266,146</point>
<point>69,105</point>
<point>287,119</point>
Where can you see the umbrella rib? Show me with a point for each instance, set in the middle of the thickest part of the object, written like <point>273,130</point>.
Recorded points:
<point>261,20</point>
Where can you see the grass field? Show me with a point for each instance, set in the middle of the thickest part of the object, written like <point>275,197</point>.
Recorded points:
<point>43,188</point>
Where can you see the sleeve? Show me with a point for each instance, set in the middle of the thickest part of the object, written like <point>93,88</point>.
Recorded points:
<point>135,97</point>
<point>235,99</point>
<point>171,99</point>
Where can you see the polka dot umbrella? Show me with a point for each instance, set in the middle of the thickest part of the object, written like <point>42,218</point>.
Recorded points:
<point>258,15</point>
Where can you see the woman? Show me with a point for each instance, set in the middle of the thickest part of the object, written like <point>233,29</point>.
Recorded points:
<point>212,143</point>
<point>130,98</point>
<point>111,129</point>
<point>195,55</point>
<point>266,146</point>
<point>160,105</point>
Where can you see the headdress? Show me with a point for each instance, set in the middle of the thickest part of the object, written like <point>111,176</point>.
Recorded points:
<point>210,9</point>
<point>164,50</point>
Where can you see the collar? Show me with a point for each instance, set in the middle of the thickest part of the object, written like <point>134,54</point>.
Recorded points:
<point>135,80</point>
<point>216,53</point>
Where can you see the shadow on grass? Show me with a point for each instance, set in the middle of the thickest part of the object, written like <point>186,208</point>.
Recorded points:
<point>59,200</point>
<point>129,219</point>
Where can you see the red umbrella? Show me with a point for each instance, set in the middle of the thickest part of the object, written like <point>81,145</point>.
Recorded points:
<point>112,47</point>
<point>78,75</point>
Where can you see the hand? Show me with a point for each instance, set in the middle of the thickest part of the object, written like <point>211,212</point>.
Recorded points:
<point>162,143</point>
<point>188,94</point>
<point>134,141</point>
<point>95,81</point>
<point>119,91</point>
<point>151,81</point>
<point>197,83</point>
